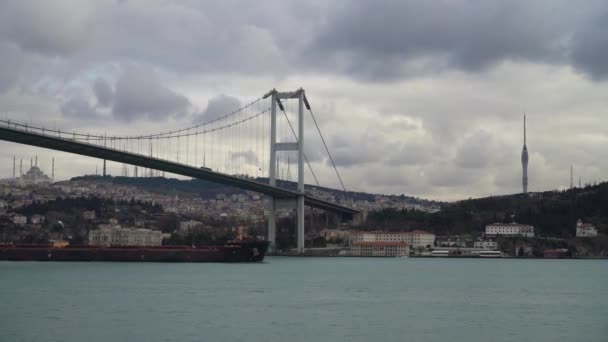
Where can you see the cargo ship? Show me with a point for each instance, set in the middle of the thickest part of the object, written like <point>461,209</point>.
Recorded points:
<point>233,251</point>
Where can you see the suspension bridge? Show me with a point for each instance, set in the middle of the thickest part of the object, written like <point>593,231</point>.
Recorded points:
<point>264,139</point>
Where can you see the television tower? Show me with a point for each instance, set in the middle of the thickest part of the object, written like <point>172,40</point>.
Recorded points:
<point>524,162</point>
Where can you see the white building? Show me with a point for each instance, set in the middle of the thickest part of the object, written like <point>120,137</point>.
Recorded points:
<point>414,239</point>
<point>334,234</point>
<point>510,230</point>
<point>485,244</point>
<point>125,237</point>
<point>379,248</point>
<point>373,236</point>
<point>585,229</point>
<point>20,220</point>
<point>421,238</point>
<point>187,225</point>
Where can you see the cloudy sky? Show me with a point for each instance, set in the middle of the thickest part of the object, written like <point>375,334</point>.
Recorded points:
<point>414,97</point>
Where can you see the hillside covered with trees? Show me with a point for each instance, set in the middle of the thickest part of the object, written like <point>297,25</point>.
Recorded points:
<point>552,213</point>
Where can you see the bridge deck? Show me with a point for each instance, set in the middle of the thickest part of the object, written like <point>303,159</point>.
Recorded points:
<point>95,151</point>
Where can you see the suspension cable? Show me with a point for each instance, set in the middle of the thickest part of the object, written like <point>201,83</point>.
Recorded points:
<point>298,140</point>
<point>327,149</point>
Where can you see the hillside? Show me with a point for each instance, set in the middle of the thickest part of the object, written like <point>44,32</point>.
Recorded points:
<point>210,189</point>
<point>552,213</point>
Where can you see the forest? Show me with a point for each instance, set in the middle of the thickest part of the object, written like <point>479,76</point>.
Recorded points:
<point>552,213</point>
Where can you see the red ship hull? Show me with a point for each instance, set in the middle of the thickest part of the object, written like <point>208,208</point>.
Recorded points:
<point>233,251</point>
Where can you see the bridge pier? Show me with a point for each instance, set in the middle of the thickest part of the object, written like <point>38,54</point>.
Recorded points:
<point>272,225</point>
<point>300,223</point>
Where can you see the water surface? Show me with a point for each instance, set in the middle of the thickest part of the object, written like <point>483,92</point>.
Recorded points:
<point>307,299</point>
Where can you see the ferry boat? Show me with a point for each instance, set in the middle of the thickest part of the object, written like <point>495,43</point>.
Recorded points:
<point>490,254</point>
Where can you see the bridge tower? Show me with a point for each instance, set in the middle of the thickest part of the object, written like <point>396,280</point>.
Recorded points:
<point>298,145</point>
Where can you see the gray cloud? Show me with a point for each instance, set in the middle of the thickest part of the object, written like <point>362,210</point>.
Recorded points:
<point>356,149</point>
<point>411,154</point>
<point>103,92</point>
<point>217,107</point>
<point>478,151</point>
<point>56,30</point>
<point>139,94</point>
<point>78,108</point>
<point>10,57</point>
<point>441,117</point>
<point>189,35</point>
<point>590,52</point>
<point>247,156</point>
<point>389,40</point>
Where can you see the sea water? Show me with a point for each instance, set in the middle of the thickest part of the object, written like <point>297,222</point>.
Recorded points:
<point>307,299</point>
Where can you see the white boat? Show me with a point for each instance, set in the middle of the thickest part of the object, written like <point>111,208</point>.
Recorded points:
<point>490,254</point>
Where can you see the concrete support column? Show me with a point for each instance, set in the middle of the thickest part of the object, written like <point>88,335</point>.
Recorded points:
<point>272,234</point>
<point>301,171</point>
<point>286,146</point>
<point>300,218</point>
<point>272,172</point>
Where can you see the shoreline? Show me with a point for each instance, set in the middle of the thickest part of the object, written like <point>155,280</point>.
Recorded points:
<point>305,255</point>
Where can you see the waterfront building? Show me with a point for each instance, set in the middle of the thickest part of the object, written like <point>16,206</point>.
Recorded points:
<point>381,236</point>
<point>414,239</point>
<point>334,234</point>
<point>510,230</point>
<point>125,237</point>
<point>421,238</point>
<point>380,248</point>
<point>450,241</point>
<point>585,229</point>
<point>485,244</point>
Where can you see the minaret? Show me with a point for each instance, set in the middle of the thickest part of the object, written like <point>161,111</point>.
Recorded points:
<point>524,162</point>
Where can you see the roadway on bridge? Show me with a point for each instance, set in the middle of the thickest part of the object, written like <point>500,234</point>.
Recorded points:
<point>90,150</point>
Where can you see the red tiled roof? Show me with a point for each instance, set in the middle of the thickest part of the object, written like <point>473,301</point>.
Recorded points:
<point>509,224</point>
<point>375,232</point>
<point>379,243</point>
